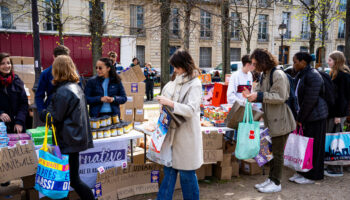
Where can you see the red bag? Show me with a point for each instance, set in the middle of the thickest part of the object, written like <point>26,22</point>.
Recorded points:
<point>219,94</point>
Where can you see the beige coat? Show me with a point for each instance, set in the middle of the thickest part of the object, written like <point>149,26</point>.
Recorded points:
<point>187,144</point>
<point>277,115</point>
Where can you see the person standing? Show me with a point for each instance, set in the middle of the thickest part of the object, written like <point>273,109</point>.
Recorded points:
<point>45,87</point>
<point>278,117</point>
<point>13,97</point>
<point>340,74</point>
<point>105,92</point>
<point>312,114</point>
<point>68,109</point>
<point>240,79</point>
<point>187,147</point>
<point>150,74</point>
<point>114,57</point>
<point>135,62</point>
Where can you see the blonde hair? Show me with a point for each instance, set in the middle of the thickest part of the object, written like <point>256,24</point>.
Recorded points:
<point>63,69</point>
<point>339,64</point>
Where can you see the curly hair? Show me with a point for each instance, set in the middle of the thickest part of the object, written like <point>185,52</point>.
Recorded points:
<point>265,60</point>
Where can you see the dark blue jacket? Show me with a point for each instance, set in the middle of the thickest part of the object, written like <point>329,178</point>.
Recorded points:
<point>94,92</point>
<point>45,89</point>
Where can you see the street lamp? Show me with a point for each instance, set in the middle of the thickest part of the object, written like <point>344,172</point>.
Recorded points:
<point>282,29</point>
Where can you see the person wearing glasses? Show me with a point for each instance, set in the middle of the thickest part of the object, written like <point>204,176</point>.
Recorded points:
<point>105,92</point>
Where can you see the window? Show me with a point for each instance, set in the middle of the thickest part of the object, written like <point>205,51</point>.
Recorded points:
<point>205,57</point>
<point>205,25</point>
<point>286,21</point>
<point>264,3</point>
<point>341,48</point>
<point>174,23</point>
<point>5,17</point>
<point>341,29</point>
<point>342,6</point>
<point>51,11</point>
<point>235,27</point>
<point>305,33</point>
<point>235,54</point>
<point>140,54</point>
<point>263,28</point>
<point>304,49</point>
<point>136,20</point>
<point>102,5</point>
<point>320,32</point>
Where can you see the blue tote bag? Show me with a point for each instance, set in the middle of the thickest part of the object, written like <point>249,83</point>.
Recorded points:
<point>248,136</point>
<point>52,177</point>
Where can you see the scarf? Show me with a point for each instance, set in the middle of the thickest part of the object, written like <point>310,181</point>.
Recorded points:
<point>174,87</point>
<point>7,80</point>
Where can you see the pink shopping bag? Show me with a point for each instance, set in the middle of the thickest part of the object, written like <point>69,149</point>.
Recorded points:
<point>298,152</point>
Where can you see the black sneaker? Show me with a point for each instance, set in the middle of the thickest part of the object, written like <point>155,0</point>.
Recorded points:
<point>5,184</point>
<point>332,173</point>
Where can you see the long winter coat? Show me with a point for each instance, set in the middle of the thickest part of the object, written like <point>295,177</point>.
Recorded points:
<point>277,115</point>
<point>310,86</point>
<point>69,111</point>
<point>341,107</point>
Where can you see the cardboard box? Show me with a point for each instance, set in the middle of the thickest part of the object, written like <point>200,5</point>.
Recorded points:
<point>201,172</point>
<point>230,147</point>
<point>133,74</point>
<point>118,183</point>
<point>139,156</point>
<point>223,173</point>
<point>250,167</point>
<point>24,154</point>
<point>16,60</point>
<point>130,102</point>
<point>134,88</point>
<point>209,170</point>
<point>226,161</point>
<point>28,60</point>
<point>235,168</point>
<point>212,156</point>
<point>139,115</point>
<point>28,181</point>
<point>138,101</point>
<point>212,140</point>
<point>138,73</point>
<point>126,114</point>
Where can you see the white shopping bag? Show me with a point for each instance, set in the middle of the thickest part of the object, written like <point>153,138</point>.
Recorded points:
<point>298,152</point>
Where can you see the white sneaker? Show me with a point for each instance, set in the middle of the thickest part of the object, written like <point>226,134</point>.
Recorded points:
<point>267,181</point>
<point>271,188</point>
<point>304,180</point>
<point>294,177</point>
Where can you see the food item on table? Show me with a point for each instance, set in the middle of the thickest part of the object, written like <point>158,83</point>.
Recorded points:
<point>120,129</point>
<point>114,131</point>
<point>103,121</point>
<point>94,134</point>
<point>150,126</point>
<point>115,119</point>
<point>106,133</point>
<point>95,123</point>
<point>127,127</point>
<point>108,120</point>
<point>100,133</point>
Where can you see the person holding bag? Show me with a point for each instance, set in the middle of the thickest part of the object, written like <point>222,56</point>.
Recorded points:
<point>68,109</point>
<point>183,96</point>
<point>278,117</point>
<point>340,74</point>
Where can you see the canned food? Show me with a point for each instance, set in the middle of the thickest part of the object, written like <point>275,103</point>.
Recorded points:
<point>100,133</point>
<point>114,131</point>
<point>115,119</point>
<point>94,134</point>
<point>106,133</point>
<point>95,123</point>
<point>108,120</point>
<point>103,121</point>
<point>120,129</point>
<point>127,126</point>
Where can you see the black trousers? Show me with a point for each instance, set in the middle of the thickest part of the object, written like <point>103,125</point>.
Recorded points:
<point>316,130</point>
<point>80,187</point>
<point>149,89</point>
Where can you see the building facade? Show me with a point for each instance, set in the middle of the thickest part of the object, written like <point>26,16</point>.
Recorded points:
<point>142,19</point>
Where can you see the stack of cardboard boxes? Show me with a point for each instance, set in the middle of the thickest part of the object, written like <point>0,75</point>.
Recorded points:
<point>24,68</point>
<point>135,89</point>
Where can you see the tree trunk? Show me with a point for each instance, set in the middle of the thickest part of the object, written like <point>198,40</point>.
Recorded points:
<point>165,16</point>
<point>58,20</point>
<point>187,24</point>
<point>96,30</point>
<point>347,33</point>
<point>313,26</point>
<point>225,25</point>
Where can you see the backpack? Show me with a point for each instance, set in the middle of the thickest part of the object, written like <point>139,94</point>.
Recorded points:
<point>292,101</point>
<point>328,91</point>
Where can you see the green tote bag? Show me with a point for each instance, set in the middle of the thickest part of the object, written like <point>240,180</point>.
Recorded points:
<point>248,136</point>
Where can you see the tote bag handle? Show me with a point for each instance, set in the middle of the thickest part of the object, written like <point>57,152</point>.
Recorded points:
<point>248,113</point>
<point>44,147</point>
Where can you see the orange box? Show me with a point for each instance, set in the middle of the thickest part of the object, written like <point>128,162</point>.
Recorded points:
<point>206,78</point>
<point>219,94</point>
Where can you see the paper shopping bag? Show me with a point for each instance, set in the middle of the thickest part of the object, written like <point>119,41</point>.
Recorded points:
<point>337,148</point>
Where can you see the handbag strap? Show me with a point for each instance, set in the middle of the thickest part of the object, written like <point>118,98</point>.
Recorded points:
<point>246,117</point>
<point>44,147</point>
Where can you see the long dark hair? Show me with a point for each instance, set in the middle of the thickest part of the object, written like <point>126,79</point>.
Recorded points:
<point>182,59</point>
<point>6,55</point>
<point>265,60</point>
<point>113,76</point>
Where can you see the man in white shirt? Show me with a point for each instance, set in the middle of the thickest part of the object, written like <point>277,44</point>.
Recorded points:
<point>239,80</point>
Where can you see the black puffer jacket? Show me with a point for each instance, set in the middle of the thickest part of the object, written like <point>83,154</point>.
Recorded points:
<point>310,89</point>
<point>69,110</point>
<point>340,109</point>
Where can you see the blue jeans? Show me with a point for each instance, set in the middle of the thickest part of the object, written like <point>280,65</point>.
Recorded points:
<point>188,180</point>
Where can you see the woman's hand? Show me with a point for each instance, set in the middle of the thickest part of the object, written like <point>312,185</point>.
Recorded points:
<point>245,93</point>
<point>336,120</point>
<point>105,99</point>
<point>5,117</point>
<point>18,128</point>
<point>110,99</point>
<point>250,96</point>
<point>165,101</point>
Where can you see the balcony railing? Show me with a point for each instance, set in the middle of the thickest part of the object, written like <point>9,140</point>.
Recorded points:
<point>263,37</point>
<point>141,32</point>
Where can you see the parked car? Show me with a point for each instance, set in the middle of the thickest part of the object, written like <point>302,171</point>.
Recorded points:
<point>235,65</point>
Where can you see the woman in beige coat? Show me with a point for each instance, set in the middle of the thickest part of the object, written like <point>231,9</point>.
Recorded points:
<point>277,115</point>
<point>186,139</point>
